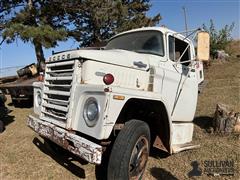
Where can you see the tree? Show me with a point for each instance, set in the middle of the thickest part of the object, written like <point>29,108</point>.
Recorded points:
<point>219,39</point>
<point>40,22</point>
<point>97,21</point>
<point>45,22</point>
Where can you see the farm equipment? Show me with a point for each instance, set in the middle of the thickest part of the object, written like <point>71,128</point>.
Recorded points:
<point>20,87</point>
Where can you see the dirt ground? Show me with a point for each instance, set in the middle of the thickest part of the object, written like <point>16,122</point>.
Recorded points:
<point>23,154</point>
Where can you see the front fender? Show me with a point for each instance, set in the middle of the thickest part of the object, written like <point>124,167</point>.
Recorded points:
<point>115,106</point>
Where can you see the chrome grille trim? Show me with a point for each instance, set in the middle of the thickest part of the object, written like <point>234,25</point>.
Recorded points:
<point>58,84</point>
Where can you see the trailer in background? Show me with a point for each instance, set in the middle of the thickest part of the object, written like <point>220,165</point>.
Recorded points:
<point>20,87</point>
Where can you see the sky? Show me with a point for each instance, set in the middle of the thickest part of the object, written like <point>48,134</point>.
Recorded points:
<point>197,11</point>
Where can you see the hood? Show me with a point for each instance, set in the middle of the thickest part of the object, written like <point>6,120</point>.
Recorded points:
<point>117,57</point>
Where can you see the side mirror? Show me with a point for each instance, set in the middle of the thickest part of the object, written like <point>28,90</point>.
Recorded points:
<point>203,46</point>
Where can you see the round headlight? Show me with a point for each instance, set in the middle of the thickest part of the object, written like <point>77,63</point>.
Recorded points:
<point>91,111</point>
<point>38,99</point>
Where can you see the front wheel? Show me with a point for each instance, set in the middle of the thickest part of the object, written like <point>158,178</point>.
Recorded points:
<point>130,151</point>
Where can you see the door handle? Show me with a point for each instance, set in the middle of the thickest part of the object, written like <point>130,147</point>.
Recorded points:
<point>139,64</point>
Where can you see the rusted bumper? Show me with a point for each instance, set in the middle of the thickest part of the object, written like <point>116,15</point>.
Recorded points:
<point>82,147</point>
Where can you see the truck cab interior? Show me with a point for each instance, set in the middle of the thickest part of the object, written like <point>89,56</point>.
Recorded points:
<point>177,48</point>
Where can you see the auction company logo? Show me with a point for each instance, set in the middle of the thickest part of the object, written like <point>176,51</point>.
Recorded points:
<point>212,167</point>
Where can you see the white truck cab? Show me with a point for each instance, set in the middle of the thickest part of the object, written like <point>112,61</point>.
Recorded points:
<point>139,91</point>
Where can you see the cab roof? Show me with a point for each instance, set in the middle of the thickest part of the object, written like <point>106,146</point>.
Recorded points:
<point>162,29</point>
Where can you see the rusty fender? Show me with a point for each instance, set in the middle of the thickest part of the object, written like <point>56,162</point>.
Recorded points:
<point>82,147</point>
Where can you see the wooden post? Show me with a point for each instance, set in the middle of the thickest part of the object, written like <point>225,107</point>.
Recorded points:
<point>226,120</point>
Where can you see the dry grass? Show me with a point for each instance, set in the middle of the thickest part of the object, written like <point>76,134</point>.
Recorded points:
<point>24,156</point>
<point>233,48</point>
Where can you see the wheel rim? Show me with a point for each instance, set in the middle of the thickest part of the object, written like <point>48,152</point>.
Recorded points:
<point>139,158</point>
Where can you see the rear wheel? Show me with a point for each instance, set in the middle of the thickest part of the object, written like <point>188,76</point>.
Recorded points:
<point>130,151</point>
<point>16,103</point>
<point>23,103</point>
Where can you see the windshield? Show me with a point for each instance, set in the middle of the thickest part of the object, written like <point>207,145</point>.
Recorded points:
<point>150,42</point>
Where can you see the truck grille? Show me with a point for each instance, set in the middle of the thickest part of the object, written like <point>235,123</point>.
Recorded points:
<point>57,90</point>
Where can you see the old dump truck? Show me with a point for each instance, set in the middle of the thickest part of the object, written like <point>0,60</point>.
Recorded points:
<point>20,87</point>
<point>139,91</point>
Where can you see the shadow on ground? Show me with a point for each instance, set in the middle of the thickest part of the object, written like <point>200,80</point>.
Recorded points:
<point>204,122</point>
<point>8,120</point>
<point>64,160</point>
<point>158,154</point>
<point>161,174</point>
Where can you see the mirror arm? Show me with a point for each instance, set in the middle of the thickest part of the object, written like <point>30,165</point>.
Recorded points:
<point>193,30</point>
<point>179,62</point>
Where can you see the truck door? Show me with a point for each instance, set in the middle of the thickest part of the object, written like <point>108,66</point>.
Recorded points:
<point>180,87</point>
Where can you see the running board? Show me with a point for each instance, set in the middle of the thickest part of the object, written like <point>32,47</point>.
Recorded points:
<point>182,147</point>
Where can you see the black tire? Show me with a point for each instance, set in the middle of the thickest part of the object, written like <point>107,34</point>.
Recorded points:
<point>130,152</point>
<point>16,103</point>
<point>1,126</point>
<point>23,103</point>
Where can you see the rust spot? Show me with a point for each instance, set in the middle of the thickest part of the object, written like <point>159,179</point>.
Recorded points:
<point>83,148</point>
<point>118,126</point>
<point>159,144</point>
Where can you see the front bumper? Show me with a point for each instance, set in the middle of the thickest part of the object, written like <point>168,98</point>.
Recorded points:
<point>82,147</point>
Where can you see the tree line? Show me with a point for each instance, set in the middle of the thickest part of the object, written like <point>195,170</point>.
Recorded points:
<point>219,39</point>
<point>46,22</point>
